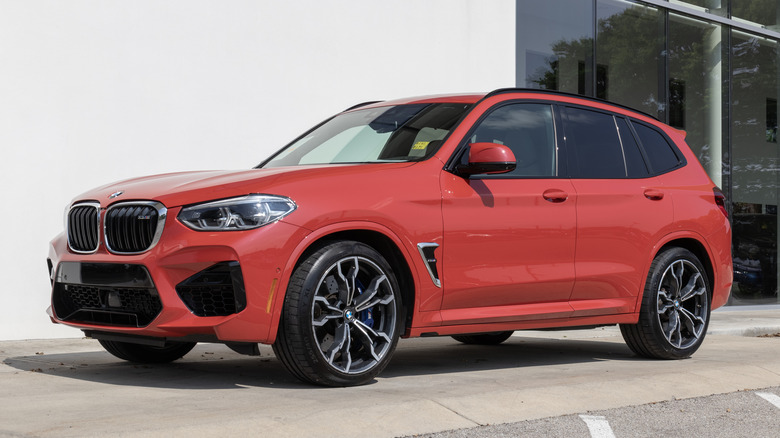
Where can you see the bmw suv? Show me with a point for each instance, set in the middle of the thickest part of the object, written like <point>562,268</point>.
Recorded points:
<point>469,216</point>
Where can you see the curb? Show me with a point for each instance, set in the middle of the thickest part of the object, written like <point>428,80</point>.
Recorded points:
<point>746,331</point>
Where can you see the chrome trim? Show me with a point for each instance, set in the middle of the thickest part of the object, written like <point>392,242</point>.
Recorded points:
<point>96,206</point>
<point>421,247</point>
<point>162,214</point>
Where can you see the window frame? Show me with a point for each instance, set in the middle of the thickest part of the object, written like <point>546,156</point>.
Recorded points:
<point>571,144</point>
<point>573,152</point>
<point>459,154</point>
<point>681,161</point>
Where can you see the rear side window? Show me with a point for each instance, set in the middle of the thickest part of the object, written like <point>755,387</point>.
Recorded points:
<point>597,144</point>
<point>659,152</point>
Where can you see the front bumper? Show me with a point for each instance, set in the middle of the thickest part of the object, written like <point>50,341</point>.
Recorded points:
<point>137,294</point>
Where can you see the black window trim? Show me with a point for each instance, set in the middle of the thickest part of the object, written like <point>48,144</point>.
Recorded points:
<point>572,148</point>
<point>560,153</point>
<point>681,161</point>
<point>642,152</point>
<point>574,152</point>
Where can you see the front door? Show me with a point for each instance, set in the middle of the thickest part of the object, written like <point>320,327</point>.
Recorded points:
<point>509,240</point>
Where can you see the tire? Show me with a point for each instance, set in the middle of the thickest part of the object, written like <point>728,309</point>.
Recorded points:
<point>341,317</point>
<point>675,309</point>
<point>146,353</point>
<point>494,338</point>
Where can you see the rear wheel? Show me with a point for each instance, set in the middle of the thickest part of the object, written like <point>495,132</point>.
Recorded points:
<point>675,308</point>
<point>341,316</point>
<point>494,338</point>
<point>147,353</point>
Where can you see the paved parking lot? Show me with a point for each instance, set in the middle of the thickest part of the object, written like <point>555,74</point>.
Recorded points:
<point>742,414</point>
<point>73,388</point>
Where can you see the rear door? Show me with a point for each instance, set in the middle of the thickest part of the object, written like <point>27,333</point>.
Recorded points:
<point>622,211</point>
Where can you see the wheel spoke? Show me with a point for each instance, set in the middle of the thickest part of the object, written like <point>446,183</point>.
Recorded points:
<point>341,344</point>
<point>326,304</point>
<point>346,354</point>
<point>690,290</point>
<point>366,300</point>
<point>672,327</point>
<point>372,332</point>
<point>328,311</point>
<point>693,323</point>
<point>347,293</point>
<point>366,333</point>
<point>378,301</point>
<point>677,275</point>
<point>665,303</point>
<point>678,332</point>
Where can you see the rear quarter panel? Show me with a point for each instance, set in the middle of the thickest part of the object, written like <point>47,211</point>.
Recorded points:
<point>697,216</point>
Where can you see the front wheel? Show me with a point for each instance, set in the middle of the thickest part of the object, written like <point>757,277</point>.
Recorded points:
<point>147,354</point>
<point>675,308</point>
<point>341,318</point>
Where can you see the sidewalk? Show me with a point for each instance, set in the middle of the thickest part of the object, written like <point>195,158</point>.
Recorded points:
<point>746,321</point>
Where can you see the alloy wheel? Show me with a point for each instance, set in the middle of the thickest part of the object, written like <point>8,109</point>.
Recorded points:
<point>682,304</point>
<point>353,315</point>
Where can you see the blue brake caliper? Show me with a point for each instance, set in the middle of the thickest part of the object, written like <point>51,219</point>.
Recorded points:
<point>366,316</point>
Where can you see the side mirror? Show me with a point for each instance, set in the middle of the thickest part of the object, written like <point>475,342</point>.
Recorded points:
<point>488,159</point>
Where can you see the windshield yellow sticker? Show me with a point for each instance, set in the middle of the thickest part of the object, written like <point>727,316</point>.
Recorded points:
<point>420,146</point>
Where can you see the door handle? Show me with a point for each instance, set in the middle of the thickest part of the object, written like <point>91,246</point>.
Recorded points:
<point>654,195</point>
<point>555,195</point>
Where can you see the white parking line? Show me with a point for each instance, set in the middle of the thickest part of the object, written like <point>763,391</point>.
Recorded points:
<point>598,426</point>
<point>771,398</point>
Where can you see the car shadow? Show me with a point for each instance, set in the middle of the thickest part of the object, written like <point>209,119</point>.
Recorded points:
<point>450,356</point>
<point>214,366</point>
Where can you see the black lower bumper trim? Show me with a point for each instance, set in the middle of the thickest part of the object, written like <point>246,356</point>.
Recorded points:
<point>105,293</point>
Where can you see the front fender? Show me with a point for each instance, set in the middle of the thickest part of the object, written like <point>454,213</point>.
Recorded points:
<point>428,296</point>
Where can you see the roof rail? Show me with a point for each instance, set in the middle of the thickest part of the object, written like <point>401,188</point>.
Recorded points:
<point>564,93</point>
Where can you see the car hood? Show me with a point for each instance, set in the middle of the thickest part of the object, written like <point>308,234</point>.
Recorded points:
<point>184,188</point>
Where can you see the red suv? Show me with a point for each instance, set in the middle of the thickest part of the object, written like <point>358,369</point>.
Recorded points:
<point>463,215</point>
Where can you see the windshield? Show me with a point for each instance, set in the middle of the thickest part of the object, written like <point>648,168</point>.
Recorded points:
<point>386,134</point>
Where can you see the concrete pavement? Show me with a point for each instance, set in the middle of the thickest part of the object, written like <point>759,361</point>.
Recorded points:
<point>70,387</point>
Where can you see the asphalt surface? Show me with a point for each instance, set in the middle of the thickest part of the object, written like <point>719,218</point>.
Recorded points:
<point>537,379</point>
<point>734,415</point>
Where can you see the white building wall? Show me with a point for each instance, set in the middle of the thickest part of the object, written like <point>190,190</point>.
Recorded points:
<point>96,91</point>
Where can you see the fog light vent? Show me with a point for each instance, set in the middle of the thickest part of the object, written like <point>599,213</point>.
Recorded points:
<point>216,291</point>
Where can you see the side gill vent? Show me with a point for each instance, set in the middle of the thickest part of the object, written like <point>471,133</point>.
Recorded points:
<point>428,253</point>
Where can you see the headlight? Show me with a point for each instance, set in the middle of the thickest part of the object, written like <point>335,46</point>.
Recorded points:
<point>244,213</point>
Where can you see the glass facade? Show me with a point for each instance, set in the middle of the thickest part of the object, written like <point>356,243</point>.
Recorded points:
<point>629,55</point>
<point>709,67</point>
<point>755,166</point>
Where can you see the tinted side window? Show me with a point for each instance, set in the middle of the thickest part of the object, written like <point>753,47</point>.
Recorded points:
<point>658,150</point>
<point>529,131</point>
<point>635,164</point>
<point>597,144</point>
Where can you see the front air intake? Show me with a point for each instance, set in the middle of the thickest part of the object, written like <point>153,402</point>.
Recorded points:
<point>216,291</point>
<point>105,294</point>
<point>133,227</point>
